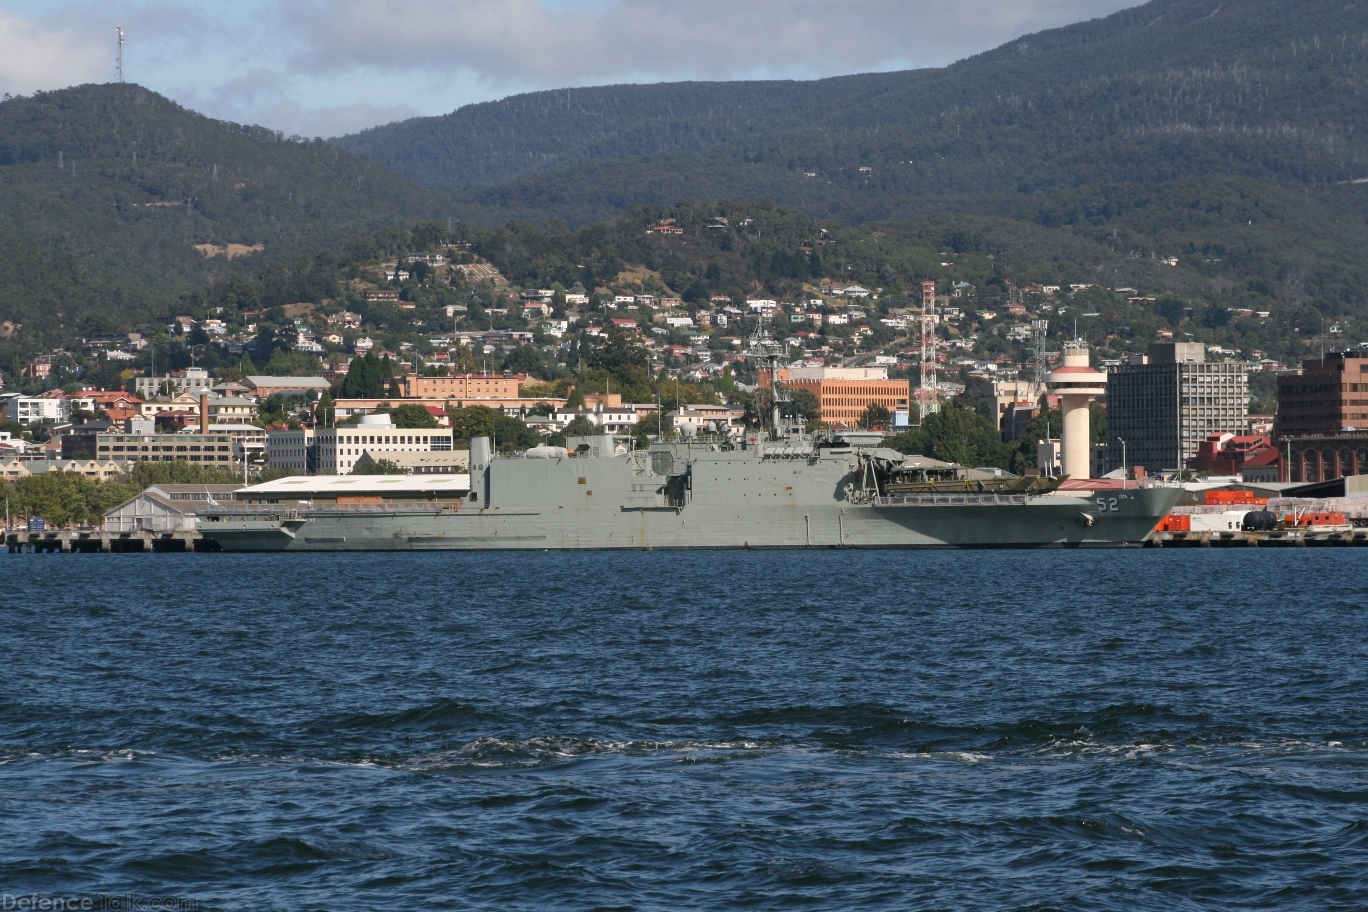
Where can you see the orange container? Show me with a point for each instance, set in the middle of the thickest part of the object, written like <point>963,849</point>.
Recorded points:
<point>1311,520</point>
<point>1175,522</point>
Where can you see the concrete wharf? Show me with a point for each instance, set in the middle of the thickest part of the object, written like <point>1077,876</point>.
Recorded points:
<point>1279,538</point>
<point>97,541</point>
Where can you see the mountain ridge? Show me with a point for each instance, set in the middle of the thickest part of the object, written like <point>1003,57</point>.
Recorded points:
<point>113,186</point>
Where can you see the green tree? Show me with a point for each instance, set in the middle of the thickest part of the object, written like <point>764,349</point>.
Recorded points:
<point>482,421</point>
<point>378,467</point>
<point>365,378</point>
<point>146,474</point>
<point>875,416</point>
<point>1045,426</point>
<point>581,426</point>
<point>967,438</point>
<point>386,375</point>
<point>575,400</point>
<point>325,414</point>
<point>804,405</point>
<point>413,415</point>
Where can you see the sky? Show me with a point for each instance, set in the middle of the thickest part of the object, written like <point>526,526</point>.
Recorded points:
<point>328,67</point>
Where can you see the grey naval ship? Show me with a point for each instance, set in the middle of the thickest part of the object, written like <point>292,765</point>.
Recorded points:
<point>778,489</point>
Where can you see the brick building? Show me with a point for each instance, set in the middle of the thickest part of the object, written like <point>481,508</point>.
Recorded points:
<point>1325,457</point>
<point>460,386</point>
<point>1327,396</point>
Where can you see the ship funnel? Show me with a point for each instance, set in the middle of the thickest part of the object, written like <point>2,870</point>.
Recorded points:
<point>480,453</point>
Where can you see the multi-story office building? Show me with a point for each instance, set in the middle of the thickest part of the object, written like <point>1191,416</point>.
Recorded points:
<point>843,393</point>
<point>220,446</point>
<point>1166,403</point>
<point>1321,427</point>
<point>335,450</point>
<point>1327,396</point>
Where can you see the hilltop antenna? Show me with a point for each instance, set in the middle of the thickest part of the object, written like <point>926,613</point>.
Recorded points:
<point>118,61</point>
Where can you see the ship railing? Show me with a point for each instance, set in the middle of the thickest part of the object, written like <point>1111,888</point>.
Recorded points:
<point>952,500</point>
<point>279,509</point>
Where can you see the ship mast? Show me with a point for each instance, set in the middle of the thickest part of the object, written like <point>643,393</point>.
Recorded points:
<point>768,355</point>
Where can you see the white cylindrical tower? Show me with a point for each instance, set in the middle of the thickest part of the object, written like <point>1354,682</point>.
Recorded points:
<point>1076,383</point>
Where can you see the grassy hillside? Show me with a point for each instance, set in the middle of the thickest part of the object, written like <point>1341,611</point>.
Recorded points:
<point>105,191</point>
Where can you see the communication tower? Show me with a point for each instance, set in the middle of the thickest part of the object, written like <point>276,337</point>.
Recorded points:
<point>926,391</point>
<point>118,61</point>
<point>1038,331</point>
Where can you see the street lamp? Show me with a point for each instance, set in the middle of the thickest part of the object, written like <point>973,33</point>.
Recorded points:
<point>1125,471</point>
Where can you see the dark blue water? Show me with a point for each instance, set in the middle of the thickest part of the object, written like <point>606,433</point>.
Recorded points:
<point>981,730</point>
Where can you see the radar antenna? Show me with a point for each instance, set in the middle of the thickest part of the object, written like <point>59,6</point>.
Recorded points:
<point>118,61</point>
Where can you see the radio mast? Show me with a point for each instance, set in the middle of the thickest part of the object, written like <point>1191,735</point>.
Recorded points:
<point>1038,330</point>
<point>926,391</point>
<point>118,61</point>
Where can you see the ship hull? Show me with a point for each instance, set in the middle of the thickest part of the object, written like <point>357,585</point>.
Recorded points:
<point>691,497</point>
<point>1043,522</point>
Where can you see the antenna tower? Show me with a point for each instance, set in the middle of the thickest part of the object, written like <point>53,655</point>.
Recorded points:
<point>118,61</point>
<point>1038,330</point>
<point>926,391</point>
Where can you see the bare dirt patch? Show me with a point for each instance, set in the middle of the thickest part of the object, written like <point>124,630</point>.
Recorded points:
<point>478,272</point>
<point>231,251</point>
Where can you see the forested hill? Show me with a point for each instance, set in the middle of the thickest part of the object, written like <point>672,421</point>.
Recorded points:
<point>1262,90</point>
<point>105,191</point>
<point>539,131</point>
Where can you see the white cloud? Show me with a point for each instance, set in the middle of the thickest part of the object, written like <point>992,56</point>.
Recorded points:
<point>36,56</point>
<point>290,117</point>
<point>322,67</point>
<point>532,43</point>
